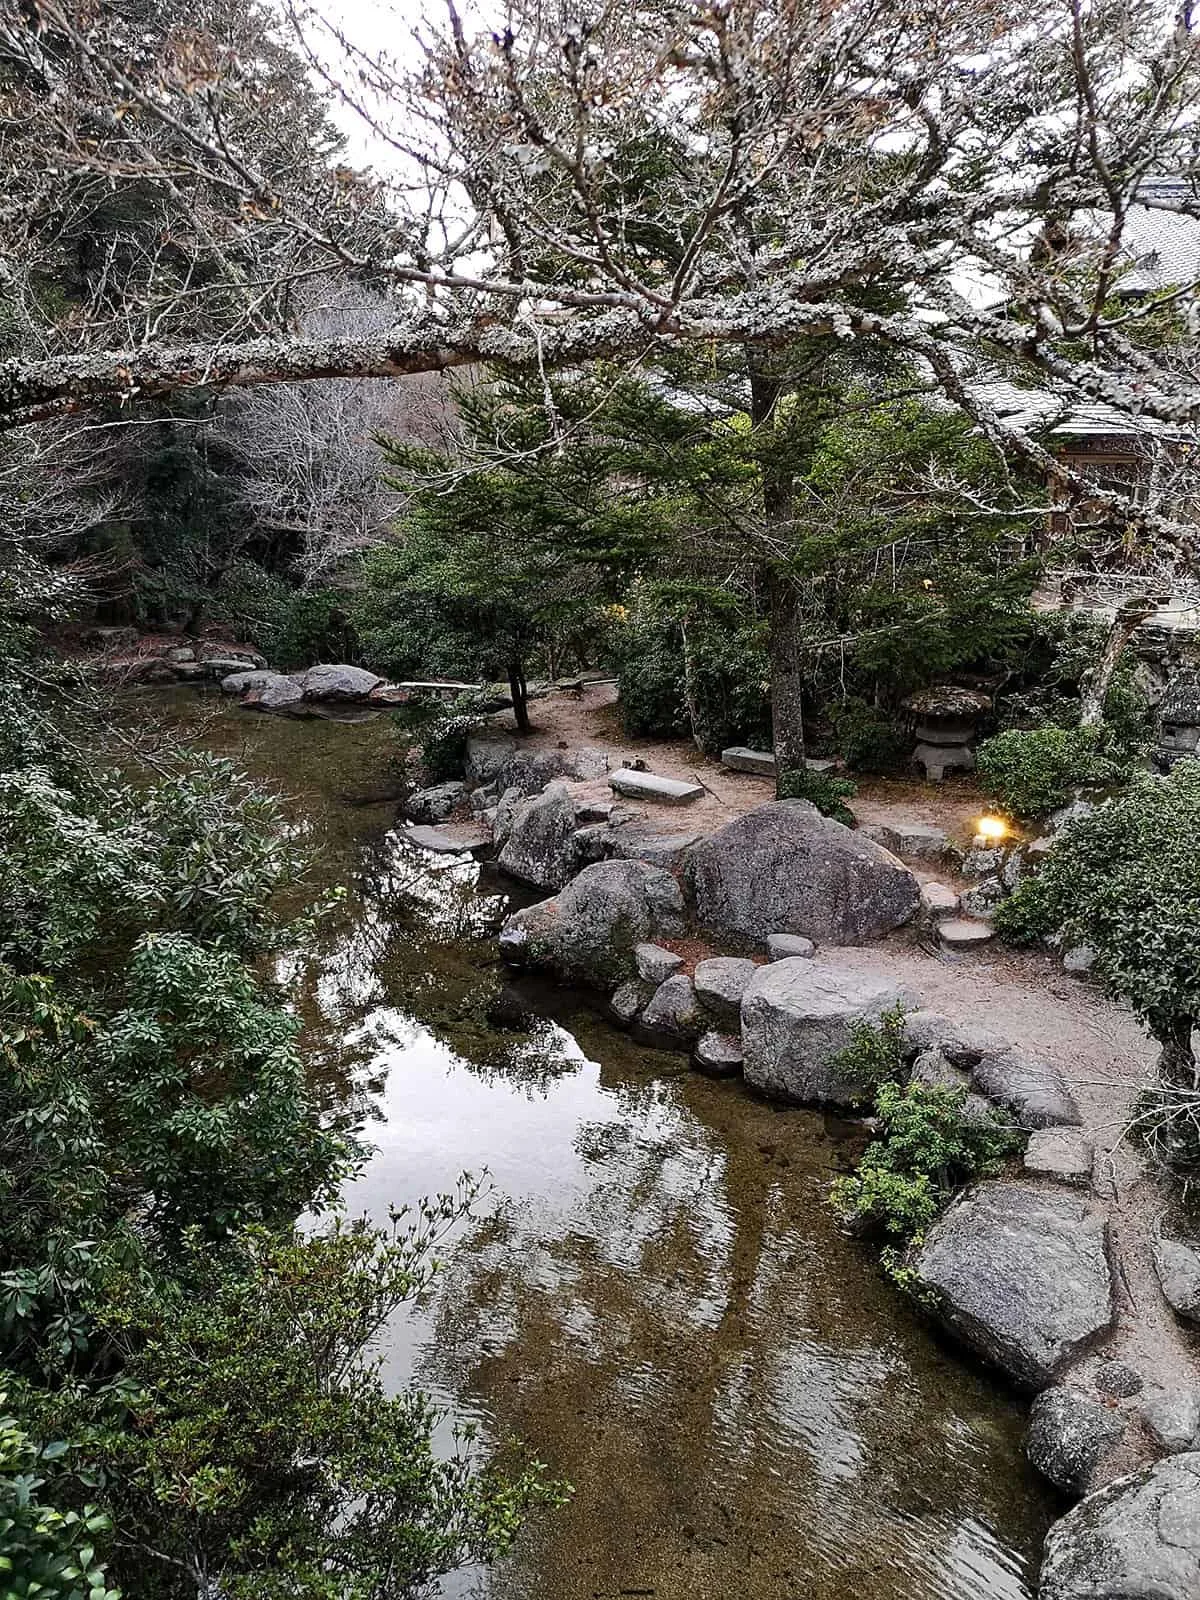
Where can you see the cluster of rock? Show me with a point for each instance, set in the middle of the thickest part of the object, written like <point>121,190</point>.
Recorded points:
<point>132,658</point>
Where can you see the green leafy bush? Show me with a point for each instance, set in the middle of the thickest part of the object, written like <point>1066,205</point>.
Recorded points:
<point>692,665</point>
<point>828,794</point>
<point>926,1149</point>
<point>292,626</point>
<point>1061,651</point>
<point>868,740</point>
<point>875,1054</point>
<point>1031,772</point>
<point>1125,882</point>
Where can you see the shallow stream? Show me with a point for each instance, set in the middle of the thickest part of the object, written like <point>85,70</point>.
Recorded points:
<point>654,1295</point>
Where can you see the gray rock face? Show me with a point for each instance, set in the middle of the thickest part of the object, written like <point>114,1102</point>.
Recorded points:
<point>1173,1417</point>
<point>1068,1433</point>
<point>282,694</point>
<point>254,678</point>
<point>541,848</point>
<point>508,763</point>
<point>965,933</point>
<point>982,898</point>
<point>1079,960</point>
<point>625,1002</point>
<point>782,945</point>
<point>915,841</point>
<point>588,933</point>
<point>654,964</point>
<point>796,1017</point>
<point>1177,1262</point>
<point>926,1029</point>
<point>436,804</point>
<point>933,1070</point>
<point>506,809</point>
<point>1138,1538</point>
<point>1033,1090</point>
<point>338,682</point>
<point>1061,1153</point>
<point>660,849</point>
<point>1118,1379</point>
<point>672,1016</point>
<point>785,868</point>
<point>718,1054</point>
<point>720,984</point>
<point>938,900</point>
<point>1021,1276</point>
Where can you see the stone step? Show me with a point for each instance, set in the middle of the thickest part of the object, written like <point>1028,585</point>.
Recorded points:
<point>649,786</point>
<point>965,933</point>
<point>740,758</point>
<point>456,840</point>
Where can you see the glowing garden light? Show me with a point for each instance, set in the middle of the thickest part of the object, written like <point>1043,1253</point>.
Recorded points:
<point>990,830</point>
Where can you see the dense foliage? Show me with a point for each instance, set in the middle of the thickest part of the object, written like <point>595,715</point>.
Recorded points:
<point>1030,772</point>
<point>1124,881</point>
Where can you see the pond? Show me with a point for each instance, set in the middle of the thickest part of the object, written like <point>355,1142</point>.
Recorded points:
<point>654,1295</point>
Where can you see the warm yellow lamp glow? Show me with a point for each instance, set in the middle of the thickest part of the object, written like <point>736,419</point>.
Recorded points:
<point>993,829</point>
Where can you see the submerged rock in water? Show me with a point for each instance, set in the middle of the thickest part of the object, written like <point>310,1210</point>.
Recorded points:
<point>1138,1538</point>
<point>588,933</point>
<point>797,1015</point>
<point>784,868</point>
<point>1021,1276</point>
<point>718,1054</point>
<point>1068,1433</point>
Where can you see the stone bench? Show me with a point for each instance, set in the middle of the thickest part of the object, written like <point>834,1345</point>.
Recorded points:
<point>636,785</point>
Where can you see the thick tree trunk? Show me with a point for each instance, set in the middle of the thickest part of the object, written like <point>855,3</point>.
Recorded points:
<point>787,684</point>
<point>519,690</point>
<point>1124,625</point>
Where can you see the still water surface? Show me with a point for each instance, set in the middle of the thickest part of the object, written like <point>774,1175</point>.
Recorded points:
<point>653,1295</point>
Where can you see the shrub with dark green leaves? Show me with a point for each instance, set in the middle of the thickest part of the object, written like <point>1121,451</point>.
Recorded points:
<point>1030,772</point>
<point>868,740</point>
<point>926,1149</point>
<point>875,1054</point>
<point>827,793</point>
<point>1125,882</point>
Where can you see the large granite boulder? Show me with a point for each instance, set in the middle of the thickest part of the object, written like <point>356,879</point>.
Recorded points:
<point>1068,1433</point>
<point>280,695</point>
<point>507,762</point>
<point>541,848</point>
<point>250,678</point>
<point>434,804</point>
<point>1034,1090</point>
<point>589,932</point>
<point>1021,1275</point>
<point>797,1015</point>
<point>1177,1262</point>
<point>338,682</point>
<point>1138,1538</point>
<point>784,868</point>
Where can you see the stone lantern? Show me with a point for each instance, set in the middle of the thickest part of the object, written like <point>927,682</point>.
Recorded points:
<point>946,718</point>
<point>1178,722</point>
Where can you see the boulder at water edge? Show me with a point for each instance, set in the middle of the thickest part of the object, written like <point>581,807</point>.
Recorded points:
<point>541,848</point>
<point>1068,1433</point>
<point>796,1016</point>
<point>338,682</point>
<point>1021,1276</point>
<point>784,868</point>
<point>589,932</point>
<point>1138,1538</point>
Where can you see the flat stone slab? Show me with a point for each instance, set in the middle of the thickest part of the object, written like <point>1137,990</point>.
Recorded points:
<point>720,984</point>
<point>1021,1275</point>
<point>464,839</point>
<point>917,841</point>
<point>938,899</point>
<point>1061,1153</point>
<point>739,758</point>
<point>1138,1538</point>
<point>782,946</point>
<point>965,933</point>
<point>649,786</point>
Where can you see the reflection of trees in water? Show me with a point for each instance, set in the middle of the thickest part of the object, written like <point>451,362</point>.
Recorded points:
<point>729,1391</point>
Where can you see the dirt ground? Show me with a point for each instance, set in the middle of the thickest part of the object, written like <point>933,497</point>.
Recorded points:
<point>1104,1054</point>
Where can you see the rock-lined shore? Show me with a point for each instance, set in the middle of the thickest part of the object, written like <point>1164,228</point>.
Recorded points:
<point>749,947</point>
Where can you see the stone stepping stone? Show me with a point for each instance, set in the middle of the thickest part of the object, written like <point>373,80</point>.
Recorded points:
<point>655,964</point>
<point>965,933</point>
<point>649,786</point>
<point>719,1055</point>
<point>938,898</point>
<point>739,758</point>
<point>782,946</point>
<point>462,840</point>
<point>1061,1153</point>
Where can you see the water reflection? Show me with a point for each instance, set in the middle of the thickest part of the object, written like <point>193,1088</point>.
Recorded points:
<point>654,1294</point>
